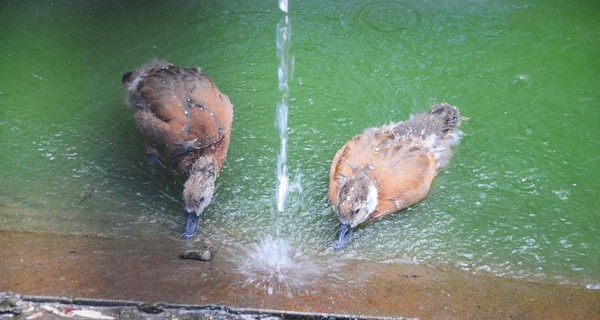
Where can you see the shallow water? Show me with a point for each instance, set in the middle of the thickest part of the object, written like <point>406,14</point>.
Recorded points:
<point>519,199</point>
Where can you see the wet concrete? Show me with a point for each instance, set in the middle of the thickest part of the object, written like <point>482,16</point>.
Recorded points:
<point>34,264</point>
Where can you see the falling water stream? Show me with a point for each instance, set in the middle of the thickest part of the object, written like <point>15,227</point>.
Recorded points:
<point>284,71</point>
<point>273,262</point>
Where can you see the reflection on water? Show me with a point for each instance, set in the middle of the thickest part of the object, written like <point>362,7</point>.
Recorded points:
<point>519,198</point>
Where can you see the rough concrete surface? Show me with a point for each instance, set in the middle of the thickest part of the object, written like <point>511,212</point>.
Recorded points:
<point>122,273</point>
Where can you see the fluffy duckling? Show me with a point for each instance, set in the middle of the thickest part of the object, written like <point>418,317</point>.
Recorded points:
<point>390,168</point>
<point>182,111</point>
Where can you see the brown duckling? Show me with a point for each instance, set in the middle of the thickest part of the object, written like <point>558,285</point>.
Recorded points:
<point>181,111</point>
<point>390,168</point>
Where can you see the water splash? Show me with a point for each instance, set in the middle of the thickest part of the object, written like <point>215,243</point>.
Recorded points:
<point>273,264</point>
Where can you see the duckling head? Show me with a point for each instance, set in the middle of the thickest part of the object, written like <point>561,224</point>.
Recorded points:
<point>357,199</point>
<point>198,191</point>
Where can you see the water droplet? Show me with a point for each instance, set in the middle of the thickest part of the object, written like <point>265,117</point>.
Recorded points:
<point>593,286</point>
<point>283,5</point>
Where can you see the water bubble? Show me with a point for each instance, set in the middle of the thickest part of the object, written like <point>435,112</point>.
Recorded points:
<point>522,77</point>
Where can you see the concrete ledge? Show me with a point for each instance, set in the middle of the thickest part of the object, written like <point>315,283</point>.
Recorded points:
<point>103,272</point>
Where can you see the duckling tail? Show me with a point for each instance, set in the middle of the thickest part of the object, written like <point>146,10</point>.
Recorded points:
<point>442,120</point>
<point>449,116</point>
<point>446,121</point>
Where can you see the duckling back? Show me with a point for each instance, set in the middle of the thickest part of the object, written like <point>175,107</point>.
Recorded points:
<point>180,110</point>
<point>439,128</point>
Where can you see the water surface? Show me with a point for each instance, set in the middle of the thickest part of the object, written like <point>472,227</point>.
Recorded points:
<point>519,199</point>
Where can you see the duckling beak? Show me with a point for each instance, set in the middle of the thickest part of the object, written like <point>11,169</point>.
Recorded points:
<point>344,237</point>
<point>191,224</point>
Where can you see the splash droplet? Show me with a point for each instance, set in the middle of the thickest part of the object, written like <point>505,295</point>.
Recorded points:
<point>283,5</point>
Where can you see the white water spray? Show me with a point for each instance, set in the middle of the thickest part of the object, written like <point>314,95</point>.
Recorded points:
<point>272,264</point>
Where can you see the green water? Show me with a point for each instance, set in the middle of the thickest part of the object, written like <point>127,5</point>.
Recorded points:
<point>520,198</point>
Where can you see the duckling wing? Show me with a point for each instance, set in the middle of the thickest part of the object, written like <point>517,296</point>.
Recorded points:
<point>357,154</point>
<point>338,173</point>
<point>403,170</point>
<point>182,109</point>
<point>210,112</point>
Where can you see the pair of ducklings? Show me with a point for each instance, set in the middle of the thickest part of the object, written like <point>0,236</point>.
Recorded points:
<point>381,171</point>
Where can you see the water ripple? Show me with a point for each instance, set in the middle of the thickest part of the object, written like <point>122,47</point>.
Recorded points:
<point>389,16</point>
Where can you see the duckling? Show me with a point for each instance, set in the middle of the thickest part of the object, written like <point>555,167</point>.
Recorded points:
<point>390,168</point>
<point>181,111</point>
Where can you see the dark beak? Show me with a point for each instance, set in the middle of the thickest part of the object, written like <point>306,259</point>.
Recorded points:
<point>344,237</point>
<point>191,224</point>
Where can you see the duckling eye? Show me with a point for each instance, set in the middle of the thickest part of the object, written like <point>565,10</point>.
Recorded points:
<point>200,200</point>
<point>356,211</point>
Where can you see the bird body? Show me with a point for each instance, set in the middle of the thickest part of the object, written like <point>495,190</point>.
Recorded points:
<point>390,168</point>
<point>181,111</point>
